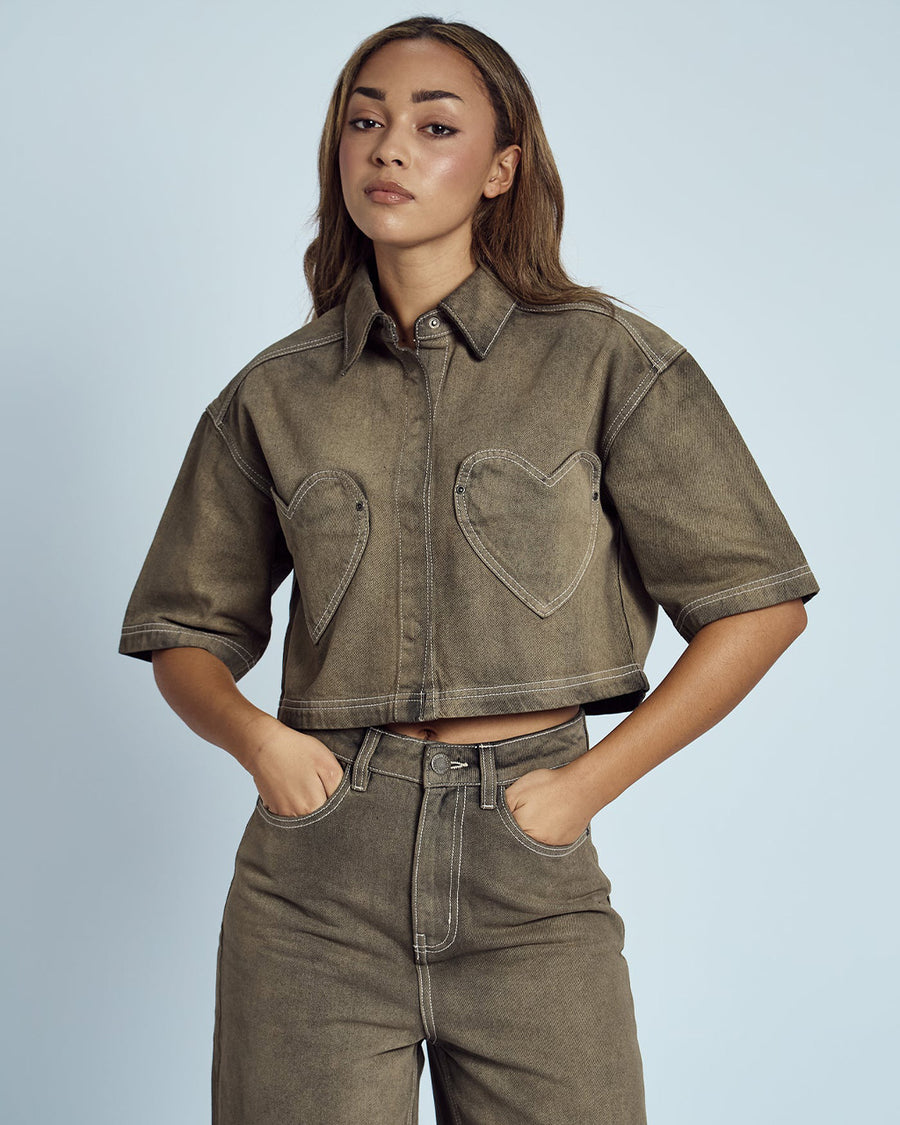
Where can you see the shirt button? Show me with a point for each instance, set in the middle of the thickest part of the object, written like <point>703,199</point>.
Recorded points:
<point>440,763</point>
<point>435,322</point>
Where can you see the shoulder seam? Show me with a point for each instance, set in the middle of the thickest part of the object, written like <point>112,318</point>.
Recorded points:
<point>274,353</point>
<point>246,468</point>
<point>616,317</point>
<point>630,404</point>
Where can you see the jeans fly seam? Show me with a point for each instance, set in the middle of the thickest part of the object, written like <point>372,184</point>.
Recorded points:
<point>415,887</point>
<point>453,892</point>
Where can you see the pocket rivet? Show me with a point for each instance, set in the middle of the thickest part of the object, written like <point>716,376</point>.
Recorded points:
<point>360,505</point>
<point>460,488</point>
<point>595,495</point>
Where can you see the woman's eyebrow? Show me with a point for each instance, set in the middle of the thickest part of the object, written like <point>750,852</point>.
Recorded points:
<point>417,95</point>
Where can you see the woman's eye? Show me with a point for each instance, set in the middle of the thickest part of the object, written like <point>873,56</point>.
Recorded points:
<point>363,125</point>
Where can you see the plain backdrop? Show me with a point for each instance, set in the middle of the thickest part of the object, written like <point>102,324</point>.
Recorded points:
<point>731,171</point>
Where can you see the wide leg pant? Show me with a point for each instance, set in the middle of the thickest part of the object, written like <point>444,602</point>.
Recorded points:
<point>411,908</point>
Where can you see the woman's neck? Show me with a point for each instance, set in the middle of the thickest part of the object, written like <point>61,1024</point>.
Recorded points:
<point>412,281</point>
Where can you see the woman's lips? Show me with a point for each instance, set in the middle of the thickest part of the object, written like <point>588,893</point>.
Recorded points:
<point>384,190</point>
<point>379,196</point>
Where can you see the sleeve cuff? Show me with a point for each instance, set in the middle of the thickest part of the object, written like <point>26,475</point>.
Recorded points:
<point>142,640</point>
<point>759,594</point>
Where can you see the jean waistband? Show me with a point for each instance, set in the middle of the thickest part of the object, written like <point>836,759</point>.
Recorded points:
<point>436,764</point>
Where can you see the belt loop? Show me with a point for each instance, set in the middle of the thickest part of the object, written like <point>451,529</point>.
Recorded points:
<point>361,760</point>
<point>488,776</point>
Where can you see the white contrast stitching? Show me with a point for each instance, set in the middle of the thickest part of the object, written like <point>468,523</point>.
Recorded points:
<point>453,890</point>
<point>518,833</point>
<point>506,317</point>
<point>424,989</point>
<point>427,482</point>
<point>246,468</point>
<point>437,396</point>
<point>165,627</point>
<point>263,357</point>
<point>397,679</point>
<point>482,352</point>
<point>428,1000</point>
<point>734,591</point>
<point>617,317</point>
<point>628,408</point>
<point>469,529</point>
<point>637,396</point>
<point>325,809</point>
<point>362,533</point>
<point>415,884</point>
<point>532,685</point>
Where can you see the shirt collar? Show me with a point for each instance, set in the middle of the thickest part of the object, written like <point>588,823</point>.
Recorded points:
<point>479,307</point>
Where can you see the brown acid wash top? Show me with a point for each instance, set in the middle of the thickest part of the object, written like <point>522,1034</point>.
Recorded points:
<point>484,524</point>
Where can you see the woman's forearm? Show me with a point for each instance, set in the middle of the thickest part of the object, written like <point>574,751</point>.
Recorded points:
<point>717,669</point>
<point>201,690</point>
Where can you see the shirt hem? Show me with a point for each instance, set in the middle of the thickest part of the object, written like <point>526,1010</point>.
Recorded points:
<point>625,685</point>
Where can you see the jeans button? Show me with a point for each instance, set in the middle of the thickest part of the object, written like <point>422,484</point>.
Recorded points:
<point>440,763</point>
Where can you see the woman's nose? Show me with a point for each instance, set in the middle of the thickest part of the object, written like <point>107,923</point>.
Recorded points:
<point>390,149</point>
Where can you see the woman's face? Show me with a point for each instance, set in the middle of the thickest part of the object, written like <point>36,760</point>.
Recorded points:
<point>418,116</point>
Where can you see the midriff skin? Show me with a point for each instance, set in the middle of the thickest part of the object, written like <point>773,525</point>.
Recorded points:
<point>483,728</point>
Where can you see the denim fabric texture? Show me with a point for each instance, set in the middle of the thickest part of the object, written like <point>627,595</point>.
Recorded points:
<point>411,907</point>
<point>484,524</point>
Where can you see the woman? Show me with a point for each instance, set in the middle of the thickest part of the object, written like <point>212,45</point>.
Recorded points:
<point>485,480</point>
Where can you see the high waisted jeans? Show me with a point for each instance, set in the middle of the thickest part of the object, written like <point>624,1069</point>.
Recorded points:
<point>412,907</point>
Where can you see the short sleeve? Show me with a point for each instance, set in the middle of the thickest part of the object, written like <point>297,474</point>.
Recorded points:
<point>216,559</point>
<point>706,534</point>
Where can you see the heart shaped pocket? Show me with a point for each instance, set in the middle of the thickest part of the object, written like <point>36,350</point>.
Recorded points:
<point>536,531</point>
<point>326,527</point>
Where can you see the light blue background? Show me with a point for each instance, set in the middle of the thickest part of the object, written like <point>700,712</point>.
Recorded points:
<point>730,170</point>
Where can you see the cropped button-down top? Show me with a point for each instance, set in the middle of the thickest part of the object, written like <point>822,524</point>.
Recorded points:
<point>484,524</point>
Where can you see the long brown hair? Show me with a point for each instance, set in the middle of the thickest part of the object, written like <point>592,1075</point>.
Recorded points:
<point>516,234</point>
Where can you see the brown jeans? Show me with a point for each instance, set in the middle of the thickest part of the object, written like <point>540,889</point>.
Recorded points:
<point>411,907</point>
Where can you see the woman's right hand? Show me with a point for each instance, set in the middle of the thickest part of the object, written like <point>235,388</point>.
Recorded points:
<point>295,773</point>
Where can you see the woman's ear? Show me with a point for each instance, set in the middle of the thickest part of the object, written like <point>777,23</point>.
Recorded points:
<point>503,172</point>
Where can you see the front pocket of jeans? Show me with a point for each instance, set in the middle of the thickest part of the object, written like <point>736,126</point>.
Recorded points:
<point>326,528</point>
<point>326,809</point>
<point>529,841</point>
<point>535,531</point>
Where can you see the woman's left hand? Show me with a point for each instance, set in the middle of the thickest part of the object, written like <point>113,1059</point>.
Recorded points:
<point>547,805</point>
